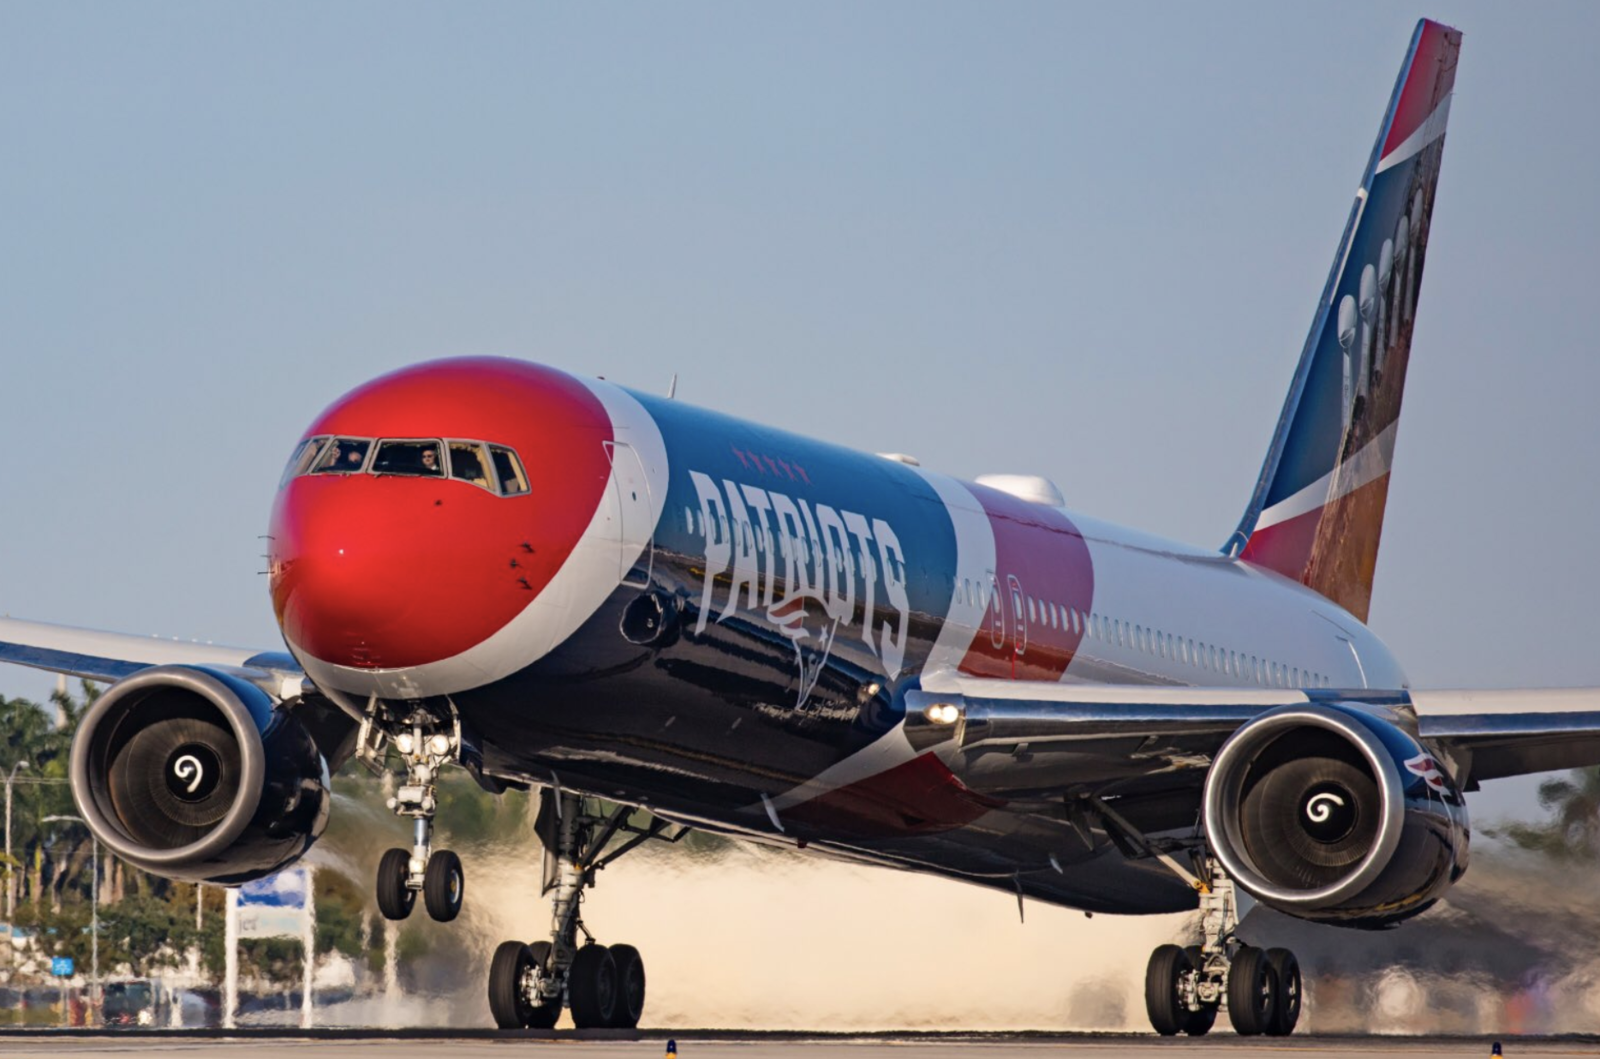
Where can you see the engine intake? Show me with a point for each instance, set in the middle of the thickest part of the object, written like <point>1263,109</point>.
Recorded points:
<point>194,774</point>
<point>1329,813</point>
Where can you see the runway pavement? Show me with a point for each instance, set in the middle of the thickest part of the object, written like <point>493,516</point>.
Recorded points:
<point>43,1044</point>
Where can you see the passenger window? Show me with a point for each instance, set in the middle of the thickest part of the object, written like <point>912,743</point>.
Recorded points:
<point>470,463</point>
<point>344,456</point>
<point>1033,614</point>
<point>512,481</point>
<point>408,457</point>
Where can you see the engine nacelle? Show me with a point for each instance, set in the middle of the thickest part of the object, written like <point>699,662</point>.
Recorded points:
<point>194,774</point>
<point>1328,813</point>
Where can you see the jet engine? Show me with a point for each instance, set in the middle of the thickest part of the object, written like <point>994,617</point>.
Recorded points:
<point>197,774</point>
<point>1329,813</point>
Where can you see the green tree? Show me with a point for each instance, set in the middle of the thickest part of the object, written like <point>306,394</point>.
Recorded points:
<point>1573,832</point>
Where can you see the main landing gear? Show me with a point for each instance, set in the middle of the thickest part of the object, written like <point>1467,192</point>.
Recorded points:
<point>425,746</point>
<point>603,986</point>
<point>1184,987</point>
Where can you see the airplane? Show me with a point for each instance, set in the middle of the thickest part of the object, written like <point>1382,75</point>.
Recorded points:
<point>664,618</point>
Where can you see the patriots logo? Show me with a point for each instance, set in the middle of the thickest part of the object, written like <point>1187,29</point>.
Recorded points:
<point>1425,766</point>
<point>803,619</point>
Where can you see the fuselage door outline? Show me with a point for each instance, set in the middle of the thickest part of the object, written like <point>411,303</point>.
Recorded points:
<point>997,614</point>
<point>633,499</point>
<point>1019,635</point>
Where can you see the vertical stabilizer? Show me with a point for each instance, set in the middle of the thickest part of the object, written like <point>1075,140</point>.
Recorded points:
<point>1317,511</point>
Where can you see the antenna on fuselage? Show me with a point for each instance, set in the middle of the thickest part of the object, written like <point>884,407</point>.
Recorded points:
<point>672,387</point>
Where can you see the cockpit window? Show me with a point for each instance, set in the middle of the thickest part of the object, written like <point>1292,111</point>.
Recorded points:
<point>493,468</point>
<point>469,461</point>
<point>344,456</point>
<point>305,454</point>
<point>409,457</point>
<point>512,481</point>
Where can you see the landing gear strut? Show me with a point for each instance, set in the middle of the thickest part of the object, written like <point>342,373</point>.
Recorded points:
<point>425,747</point>
<point>602,986</point>
<point>1184,987</point>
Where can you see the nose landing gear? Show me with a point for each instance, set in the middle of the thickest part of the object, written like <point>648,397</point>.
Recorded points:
<point>425,747</point>
<point>603,987</point>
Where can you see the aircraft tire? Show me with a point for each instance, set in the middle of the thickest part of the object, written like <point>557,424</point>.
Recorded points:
<point>592,988</point>
<point>444,886</point>
<point>1287,1013</point>
<point>510,964</point>
<point>630,987</point>
<point>1162,977</point>
<point>395,898</point>
<point>1252,992</point>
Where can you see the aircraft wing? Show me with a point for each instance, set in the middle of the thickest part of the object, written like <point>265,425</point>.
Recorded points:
<point>1024,739</point>
<point>1515,732</point>
<point>110,656</point>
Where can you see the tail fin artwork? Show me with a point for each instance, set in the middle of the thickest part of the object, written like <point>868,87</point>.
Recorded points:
<point>1317,510</point>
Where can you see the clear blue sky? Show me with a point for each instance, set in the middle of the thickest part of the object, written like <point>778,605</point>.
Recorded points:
<point>1077,240</point>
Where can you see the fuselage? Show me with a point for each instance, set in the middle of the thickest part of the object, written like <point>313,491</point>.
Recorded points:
<point>627,595</point>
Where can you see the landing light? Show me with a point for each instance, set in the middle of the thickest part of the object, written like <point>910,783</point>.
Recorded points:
<point>439,745</point>
<point>943,713</point>
<point>404,743</point>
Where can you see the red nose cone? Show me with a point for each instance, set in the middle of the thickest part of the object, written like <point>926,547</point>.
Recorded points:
<point>397,571</point>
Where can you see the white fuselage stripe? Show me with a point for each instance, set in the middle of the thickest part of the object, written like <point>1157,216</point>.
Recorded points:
<point>1426,133</point>
<point>1371,463</point>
